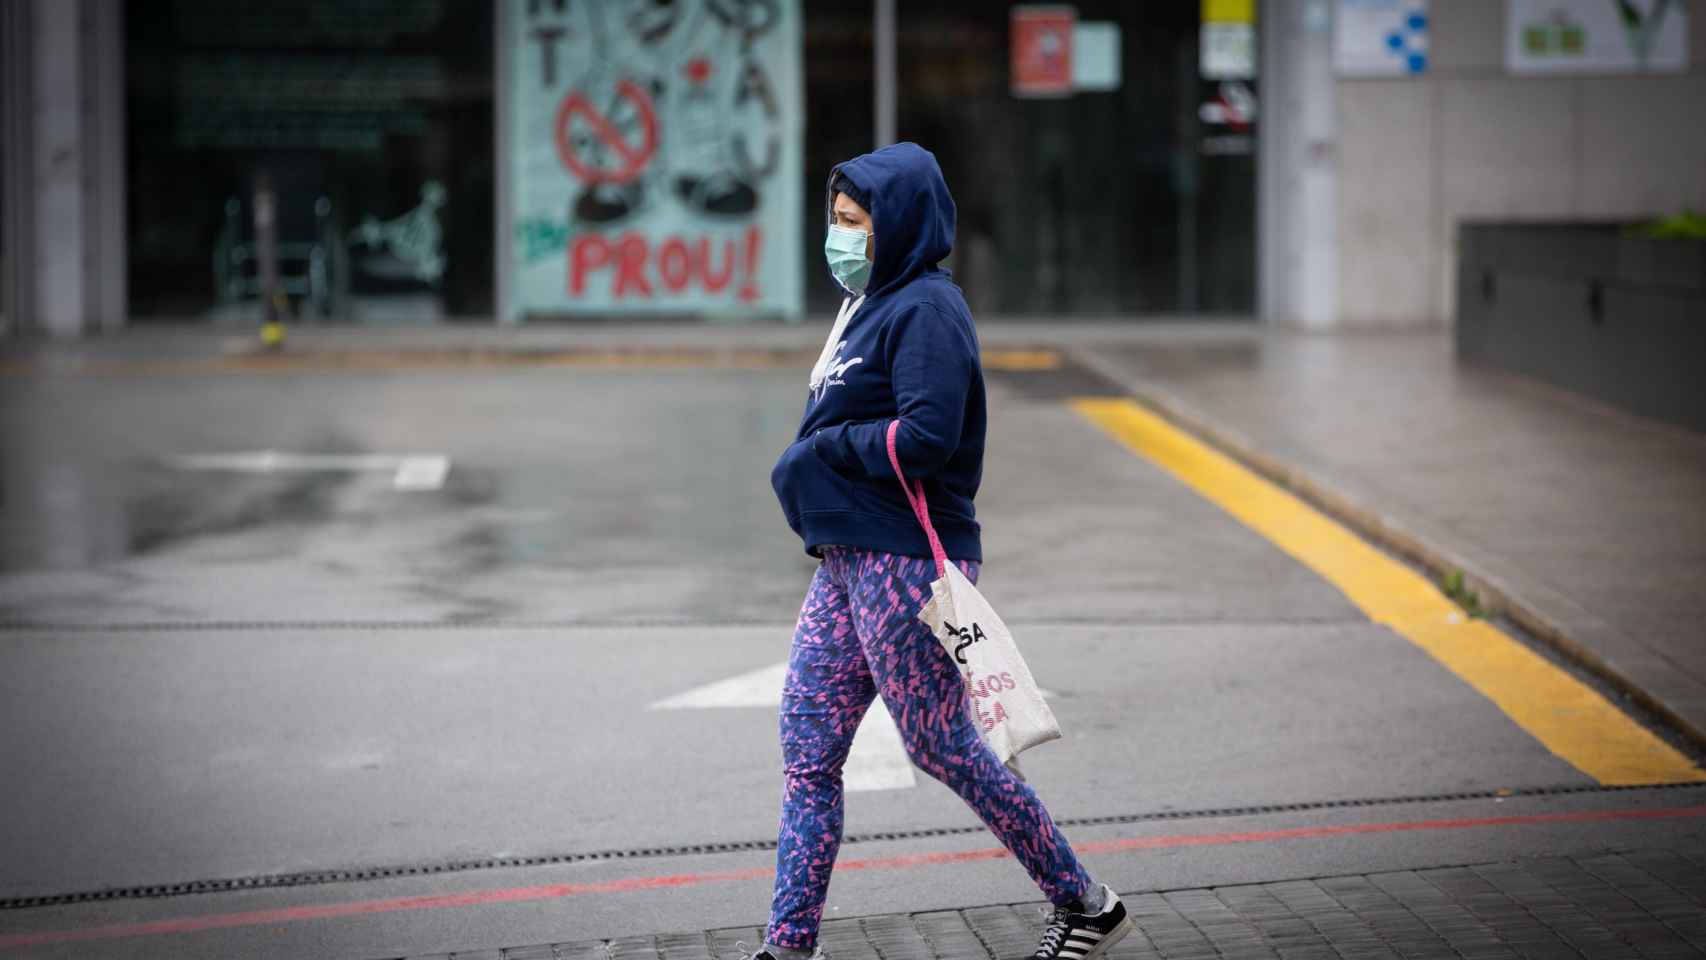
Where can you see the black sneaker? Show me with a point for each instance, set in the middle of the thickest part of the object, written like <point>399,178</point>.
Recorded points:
<point>1080,936</point>
<point>747,953</point>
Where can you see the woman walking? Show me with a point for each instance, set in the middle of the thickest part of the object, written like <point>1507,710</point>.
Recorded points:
<point>903,348</point>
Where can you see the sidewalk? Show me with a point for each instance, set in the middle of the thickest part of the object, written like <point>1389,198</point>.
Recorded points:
<point>1649,903</point>
<point>1584,524</point>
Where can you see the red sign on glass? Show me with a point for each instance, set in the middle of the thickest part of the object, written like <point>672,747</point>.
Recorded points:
<point>1042,50</point>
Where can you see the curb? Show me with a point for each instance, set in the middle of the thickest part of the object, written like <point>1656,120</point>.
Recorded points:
<point>1495,597</point>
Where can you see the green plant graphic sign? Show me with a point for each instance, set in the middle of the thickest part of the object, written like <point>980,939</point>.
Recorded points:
<point>1596,36</point>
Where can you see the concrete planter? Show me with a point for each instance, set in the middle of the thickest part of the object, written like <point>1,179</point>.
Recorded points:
<point>1587,307</point>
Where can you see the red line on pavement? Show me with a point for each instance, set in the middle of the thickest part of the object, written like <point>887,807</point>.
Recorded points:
<point>558,890</point>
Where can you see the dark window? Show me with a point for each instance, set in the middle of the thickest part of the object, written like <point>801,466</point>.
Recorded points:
<point>1099,203</point>
<point>373,123</point>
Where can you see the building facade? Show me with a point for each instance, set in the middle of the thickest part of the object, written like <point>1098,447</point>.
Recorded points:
<point>405,161</point>
<point>393,140</point>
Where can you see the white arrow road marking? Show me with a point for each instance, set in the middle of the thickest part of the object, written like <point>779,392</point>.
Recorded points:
<point>877,760</point>
<point>420,471</point>
<point>759,688</point>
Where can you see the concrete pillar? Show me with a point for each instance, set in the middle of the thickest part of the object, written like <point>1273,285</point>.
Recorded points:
<point>1297,178</point>
<point>64,166</point>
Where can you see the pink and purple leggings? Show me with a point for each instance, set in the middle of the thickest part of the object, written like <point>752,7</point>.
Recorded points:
<point>858,636</point>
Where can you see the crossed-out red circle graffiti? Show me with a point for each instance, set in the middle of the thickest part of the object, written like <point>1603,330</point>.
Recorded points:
<point>630,158</point>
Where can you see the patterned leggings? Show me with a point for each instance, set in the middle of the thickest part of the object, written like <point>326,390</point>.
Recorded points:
<point>858,635</point>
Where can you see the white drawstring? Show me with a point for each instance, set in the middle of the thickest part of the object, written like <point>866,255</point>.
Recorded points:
<point>820,370</point>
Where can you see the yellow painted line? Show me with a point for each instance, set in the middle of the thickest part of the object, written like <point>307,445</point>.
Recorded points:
<point>1021,360</point>
<point>1567,716</point>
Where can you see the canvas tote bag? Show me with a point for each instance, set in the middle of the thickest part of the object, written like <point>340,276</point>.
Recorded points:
<point>1005,702</point>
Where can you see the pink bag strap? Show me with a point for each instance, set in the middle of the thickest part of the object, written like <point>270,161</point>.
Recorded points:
<point>920,508</point>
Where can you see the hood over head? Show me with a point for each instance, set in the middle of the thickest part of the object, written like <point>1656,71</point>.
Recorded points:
<point>912,213</point>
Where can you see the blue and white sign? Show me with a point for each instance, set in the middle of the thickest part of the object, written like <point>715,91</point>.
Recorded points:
<point>1381,38</point>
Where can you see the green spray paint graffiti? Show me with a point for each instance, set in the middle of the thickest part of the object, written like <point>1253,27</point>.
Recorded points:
<point>540,238</point>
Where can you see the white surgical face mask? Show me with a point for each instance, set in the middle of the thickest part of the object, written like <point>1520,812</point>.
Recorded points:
<point>844,248</point>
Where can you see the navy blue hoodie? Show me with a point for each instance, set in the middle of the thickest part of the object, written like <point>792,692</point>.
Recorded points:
<point>909,352</point>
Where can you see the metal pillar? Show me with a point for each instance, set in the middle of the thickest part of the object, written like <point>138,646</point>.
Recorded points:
<point>16,167</point>
<point>106,218</point>
<point>883,39</point>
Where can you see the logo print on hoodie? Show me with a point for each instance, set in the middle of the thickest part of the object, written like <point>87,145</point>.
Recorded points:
<point>833,375</point>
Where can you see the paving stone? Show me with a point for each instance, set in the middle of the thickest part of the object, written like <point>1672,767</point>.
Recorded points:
<point>584,950</point>
<point>949,936</point>
<point>538,951</point>
<point>634,948</point>
<point>1135,946</point>
<point>1480,945</point>
<point>683,946</point>
<point>1284,932</point>
<point>1176,941</point>
<point>1302,897</point>
<point>845,940</point>
<point>1557,950</point>
<point>895,938</point>
<point>1624,905</point>
<point>1437,950</point>
<point>1003,933</point>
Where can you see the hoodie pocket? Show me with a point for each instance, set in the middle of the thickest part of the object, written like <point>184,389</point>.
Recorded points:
<point>843,480</point>
<point>804,482</point>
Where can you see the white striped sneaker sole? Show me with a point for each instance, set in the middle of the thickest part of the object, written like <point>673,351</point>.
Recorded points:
<point>1076,949</point>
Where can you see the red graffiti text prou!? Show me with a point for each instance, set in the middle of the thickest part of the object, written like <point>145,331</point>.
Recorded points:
<point>640,267</point>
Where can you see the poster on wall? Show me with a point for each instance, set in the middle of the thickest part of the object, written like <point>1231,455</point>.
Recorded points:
<point>1596,36</point>
<point>1380,38</point>
<point>1227,44</point>
<point>1054,54</point>
<point>654,156</point>
<point>1041,55</point>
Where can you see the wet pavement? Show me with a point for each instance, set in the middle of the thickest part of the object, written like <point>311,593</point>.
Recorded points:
<point>574,495</point>
<point>316,710</point>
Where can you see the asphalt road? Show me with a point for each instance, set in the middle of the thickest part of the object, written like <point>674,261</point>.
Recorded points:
<point>213,674</point>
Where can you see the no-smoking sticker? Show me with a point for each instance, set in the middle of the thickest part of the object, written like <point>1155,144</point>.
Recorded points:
<point>611,146</point>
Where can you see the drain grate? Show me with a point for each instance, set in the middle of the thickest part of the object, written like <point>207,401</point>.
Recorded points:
<point>312,878</point>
